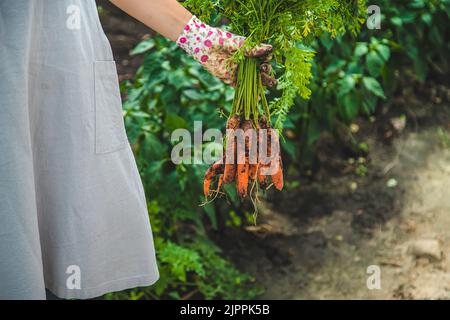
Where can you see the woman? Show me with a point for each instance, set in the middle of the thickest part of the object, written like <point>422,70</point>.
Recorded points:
<point>73,214</point>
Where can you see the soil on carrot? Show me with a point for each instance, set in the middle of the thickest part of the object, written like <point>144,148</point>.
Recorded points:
<point>317,240</point>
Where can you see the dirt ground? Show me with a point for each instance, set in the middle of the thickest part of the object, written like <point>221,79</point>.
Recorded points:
<point>319,239</point>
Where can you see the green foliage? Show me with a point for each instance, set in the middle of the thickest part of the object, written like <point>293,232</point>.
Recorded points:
<point>294,82</point>
<point>351,78</point>
<point>180,261</point>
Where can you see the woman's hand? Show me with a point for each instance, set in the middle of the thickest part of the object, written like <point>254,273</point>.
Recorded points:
<point>213,47</point>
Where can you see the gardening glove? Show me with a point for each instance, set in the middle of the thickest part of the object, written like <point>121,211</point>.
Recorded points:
<point>213,47</point>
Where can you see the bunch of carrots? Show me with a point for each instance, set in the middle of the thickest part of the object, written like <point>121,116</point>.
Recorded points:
<point>287,25</point>
<point>251,156</point>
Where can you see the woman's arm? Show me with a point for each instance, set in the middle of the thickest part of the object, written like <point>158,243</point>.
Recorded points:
<point>166,17</point>
<point>210,46</point>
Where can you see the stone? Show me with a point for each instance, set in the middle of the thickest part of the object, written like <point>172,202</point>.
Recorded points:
<point>429,248</point>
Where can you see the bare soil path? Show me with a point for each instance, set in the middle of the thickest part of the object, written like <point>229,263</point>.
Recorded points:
<point>320,238</point>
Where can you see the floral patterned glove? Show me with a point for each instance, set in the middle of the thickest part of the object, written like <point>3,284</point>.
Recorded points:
<point>212,47</point>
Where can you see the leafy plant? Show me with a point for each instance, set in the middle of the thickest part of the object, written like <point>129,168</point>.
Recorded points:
<point>351,78</point>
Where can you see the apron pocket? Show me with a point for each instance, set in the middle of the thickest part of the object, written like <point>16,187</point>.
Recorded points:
<point>110,132</point>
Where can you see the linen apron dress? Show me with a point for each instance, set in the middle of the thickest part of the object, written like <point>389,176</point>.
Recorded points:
<point>73,215</point>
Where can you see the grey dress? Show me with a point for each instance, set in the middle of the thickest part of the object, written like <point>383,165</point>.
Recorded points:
<point>73,214</point>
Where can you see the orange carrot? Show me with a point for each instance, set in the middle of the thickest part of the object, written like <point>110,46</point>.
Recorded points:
<point>242,179</point>
<point>262,179</point>
<point>230,164</point>
<point>243,165</point>
<point>215,169</point>
<point>277,177</point>
<point>254,167</point>
<point>253,170</point>
<point>239,162</point>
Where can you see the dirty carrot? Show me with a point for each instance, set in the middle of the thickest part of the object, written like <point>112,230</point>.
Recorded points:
<point>253,171</point>
<point>214,170</point>
<point>230,152</point>
<point>277,176</point>
<point>219,183</point>
<point>242,173</point>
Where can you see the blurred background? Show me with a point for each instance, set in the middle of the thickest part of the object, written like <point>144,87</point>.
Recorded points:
<point>367,168</point>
